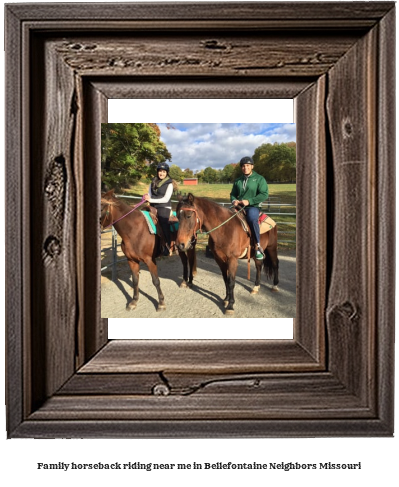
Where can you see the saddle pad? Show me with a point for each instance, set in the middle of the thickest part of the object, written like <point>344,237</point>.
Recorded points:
<point>266,224</point>
<point>173,222</point>
<point>151,227</point>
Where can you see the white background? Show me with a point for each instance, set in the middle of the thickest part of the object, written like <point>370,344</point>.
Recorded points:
<point>19,457</point>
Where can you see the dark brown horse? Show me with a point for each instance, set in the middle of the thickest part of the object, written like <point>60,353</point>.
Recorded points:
<point>228,242</point>
<point>139,245</point>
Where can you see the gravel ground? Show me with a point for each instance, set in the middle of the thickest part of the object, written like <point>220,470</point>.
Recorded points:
<point>204,300</point>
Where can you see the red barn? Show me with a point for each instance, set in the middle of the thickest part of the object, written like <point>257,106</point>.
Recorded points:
<point>190,182</point>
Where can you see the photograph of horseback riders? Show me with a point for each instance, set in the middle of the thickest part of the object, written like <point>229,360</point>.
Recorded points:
<point>198,220</point>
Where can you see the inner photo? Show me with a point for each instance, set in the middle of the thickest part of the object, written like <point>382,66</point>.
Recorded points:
<point>198,220</point>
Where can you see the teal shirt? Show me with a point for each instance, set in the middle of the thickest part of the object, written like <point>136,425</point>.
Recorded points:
<point>256,190</point>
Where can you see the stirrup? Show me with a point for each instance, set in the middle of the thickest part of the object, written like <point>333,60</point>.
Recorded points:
<point>258,255</point>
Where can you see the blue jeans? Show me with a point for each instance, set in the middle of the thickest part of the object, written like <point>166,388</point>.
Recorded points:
<point>252,219</point>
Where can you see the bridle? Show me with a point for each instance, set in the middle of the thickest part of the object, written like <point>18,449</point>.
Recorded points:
<point>197,223</point>
<point>108,212</point>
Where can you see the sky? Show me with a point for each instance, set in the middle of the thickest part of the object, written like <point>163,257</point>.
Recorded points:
<point>200,145</point>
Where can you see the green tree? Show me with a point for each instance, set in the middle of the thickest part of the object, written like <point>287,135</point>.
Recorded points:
<point>236,172</point>
<point>188,173</point>
<point>130,151</point>
<point>227,174</point>
<point>176,173</point>
<point>210,175</point>
<point>276,162</point>
<point>199,175</point>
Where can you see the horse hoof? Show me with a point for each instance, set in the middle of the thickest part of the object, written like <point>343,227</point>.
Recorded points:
<point>183,285</point>
<point>255,290</point>
<point>161,307</point>
<point>229,312</point>
<point>131,306</point>
<point>225,304</point>
<point>275,289</point>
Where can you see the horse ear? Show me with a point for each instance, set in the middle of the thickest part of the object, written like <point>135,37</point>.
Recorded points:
<point>109,193</point>
<point>190,198</point>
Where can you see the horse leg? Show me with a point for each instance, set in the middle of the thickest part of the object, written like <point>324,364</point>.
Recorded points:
<point>258,265</point>
<point>152,267</point>
<point>271,266</point>
<point>231,281</point>
<point>192,261</point>
<point>135,268</point>
<point>183,258</point>
<point>223,267</point>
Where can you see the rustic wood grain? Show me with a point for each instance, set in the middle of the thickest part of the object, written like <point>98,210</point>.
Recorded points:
<point>16,254</point>
<point>53,206</point>
<point>339,383</point>
<point>94,330</point>
<point>200,356</point>
<point>359,13</point>
<point>176,87</point>
<point>218,55</point>
<point>190,428</point>
<point>385,175</point>
<point>351,109</point>
<point>312,217</point>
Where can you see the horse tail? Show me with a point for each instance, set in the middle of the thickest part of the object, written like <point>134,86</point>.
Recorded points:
<point>268,265</point>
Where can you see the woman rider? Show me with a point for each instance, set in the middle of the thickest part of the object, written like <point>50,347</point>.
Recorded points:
<point>159,196</point>
<point>250,190</point>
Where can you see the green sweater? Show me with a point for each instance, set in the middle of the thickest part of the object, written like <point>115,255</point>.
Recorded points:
<point>256,190</point>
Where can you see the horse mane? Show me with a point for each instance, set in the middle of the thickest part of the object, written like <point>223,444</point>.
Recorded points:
<point>186,201</point>
<point>115,202</point>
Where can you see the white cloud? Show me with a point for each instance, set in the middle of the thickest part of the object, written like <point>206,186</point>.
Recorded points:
<point>197,146</point>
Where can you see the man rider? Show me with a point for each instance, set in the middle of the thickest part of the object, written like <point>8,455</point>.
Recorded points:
<point>250,190</point>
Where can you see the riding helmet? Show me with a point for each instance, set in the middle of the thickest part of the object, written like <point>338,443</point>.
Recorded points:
<point>246,160</point>
<point>163,166</point>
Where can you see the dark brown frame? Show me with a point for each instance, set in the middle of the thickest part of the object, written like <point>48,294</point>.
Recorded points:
<point>64,379</point>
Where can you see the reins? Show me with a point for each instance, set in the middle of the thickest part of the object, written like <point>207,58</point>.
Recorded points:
<point>199,220</point>
<point>123,216</point>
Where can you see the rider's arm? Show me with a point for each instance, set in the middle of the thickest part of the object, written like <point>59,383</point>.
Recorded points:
<point>262,193</point>
<point>164,199</point>
<point>234,192</point>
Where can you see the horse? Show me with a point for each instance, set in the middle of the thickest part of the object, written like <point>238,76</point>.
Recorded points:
<point>139,245</point>
<point>228,242</point>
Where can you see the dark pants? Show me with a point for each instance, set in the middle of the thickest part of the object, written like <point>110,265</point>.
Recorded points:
<point>163,217</point>
<point>252,219</point>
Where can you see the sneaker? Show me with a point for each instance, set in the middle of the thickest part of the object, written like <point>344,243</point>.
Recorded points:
<point>258,255</point>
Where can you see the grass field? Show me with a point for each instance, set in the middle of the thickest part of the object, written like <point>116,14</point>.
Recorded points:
<point>221,192</point>
<point>279,194</point>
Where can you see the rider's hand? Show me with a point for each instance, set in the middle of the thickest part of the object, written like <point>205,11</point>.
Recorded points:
<point>245,202</point>
<point>146,197</point>
<point>235,202</point>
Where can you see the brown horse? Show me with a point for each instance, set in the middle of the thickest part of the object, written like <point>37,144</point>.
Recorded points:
<point>227,241</point>
<point>139,245</point>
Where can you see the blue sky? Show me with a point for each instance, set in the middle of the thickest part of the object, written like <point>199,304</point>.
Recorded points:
<point>200,145</point>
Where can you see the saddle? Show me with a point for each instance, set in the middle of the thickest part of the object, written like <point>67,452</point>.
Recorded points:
<point>151,215</point>
<point>265,222</point>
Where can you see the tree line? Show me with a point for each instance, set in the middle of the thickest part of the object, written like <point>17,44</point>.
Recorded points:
<point>132,151</point>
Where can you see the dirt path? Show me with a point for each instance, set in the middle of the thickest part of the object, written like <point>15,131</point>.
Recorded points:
<point>204,300</point>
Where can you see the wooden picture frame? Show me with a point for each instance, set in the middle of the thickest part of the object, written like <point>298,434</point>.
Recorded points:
<point>335,378</point>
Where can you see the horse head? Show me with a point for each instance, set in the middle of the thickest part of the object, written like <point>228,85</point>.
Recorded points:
<point>189,222</point>
<point>107,199</point>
